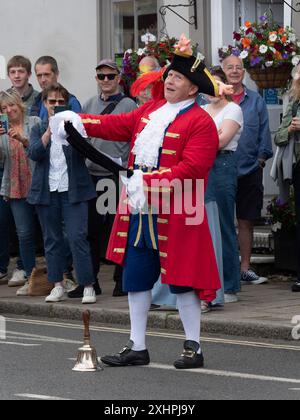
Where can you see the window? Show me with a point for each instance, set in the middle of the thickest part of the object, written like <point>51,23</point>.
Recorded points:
<point>252,10</point>
<point>132,19</point>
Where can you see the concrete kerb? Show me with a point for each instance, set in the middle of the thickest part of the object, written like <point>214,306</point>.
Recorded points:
<point>157,320</point>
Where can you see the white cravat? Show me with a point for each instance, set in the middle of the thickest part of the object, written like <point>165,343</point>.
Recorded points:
<point>150,140</point>
<point>147,147</point>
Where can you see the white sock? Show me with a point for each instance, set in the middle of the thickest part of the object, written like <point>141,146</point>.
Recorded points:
<point>139,306</point>
<point>189,307</point>
<point>61,284</point>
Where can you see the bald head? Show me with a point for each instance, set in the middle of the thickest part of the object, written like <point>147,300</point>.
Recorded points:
<point>234,70</point>
<point>149,63</point>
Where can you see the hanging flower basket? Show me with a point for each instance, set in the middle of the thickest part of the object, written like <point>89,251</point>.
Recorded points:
<point>271,78</point>
<point>268,50</point>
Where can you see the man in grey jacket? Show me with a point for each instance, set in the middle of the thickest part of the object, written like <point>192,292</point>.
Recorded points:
<point>110,101</point>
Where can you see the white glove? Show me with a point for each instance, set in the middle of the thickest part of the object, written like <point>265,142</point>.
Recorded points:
<point>135,190</point>
<point>57,126</point>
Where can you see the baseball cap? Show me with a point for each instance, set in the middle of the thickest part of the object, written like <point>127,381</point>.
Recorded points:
<point>107,62</point>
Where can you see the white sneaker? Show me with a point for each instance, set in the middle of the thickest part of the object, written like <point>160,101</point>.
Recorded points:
<point>231,298</point>
<point>89,296</point>
<point>57,295</point>
<point>24,291</point>
<point>18,279</point>
<point>69,285</point>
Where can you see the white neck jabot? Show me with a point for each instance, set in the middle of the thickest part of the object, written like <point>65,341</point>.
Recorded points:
<point>150,140</point>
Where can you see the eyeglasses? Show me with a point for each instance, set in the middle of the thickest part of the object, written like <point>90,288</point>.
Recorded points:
<point>60,102</point>
<point>235,68</point>
<point>110,77</point>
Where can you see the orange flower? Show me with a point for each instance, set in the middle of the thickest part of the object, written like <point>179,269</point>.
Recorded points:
<point>248,24</point>
<point>281,31</point>
<point>246,42</point>
<point>278,55</point>
<point>284,38</point>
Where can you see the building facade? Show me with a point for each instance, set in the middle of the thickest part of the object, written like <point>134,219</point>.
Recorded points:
<point>79,32</point>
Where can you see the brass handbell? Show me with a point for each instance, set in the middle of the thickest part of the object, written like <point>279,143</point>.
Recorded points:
<point>87,360</point>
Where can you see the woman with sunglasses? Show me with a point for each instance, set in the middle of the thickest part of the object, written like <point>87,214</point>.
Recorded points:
<point>61,189</point>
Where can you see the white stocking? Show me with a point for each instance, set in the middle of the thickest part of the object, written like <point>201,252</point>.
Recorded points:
<point>189,307</point>
<point>139,306</point>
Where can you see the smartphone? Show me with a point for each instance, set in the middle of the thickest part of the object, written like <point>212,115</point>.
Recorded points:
<point>4,122</point>
<point>58,109</point>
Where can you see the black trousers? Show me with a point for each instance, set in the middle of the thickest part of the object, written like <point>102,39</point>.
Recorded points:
<point>296,182</point>
<point>99,230</point>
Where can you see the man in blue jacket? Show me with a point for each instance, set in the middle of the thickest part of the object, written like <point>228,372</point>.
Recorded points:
<point>255,148</point>
<point>47,74</point>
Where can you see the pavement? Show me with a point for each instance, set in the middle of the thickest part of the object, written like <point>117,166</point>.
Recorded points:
<point>264,311</point>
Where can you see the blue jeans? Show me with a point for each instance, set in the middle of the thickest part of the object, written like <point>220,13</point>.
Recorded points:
<point>5,219</point>
<point>68,254</point>
<point>23,214</point>
<point>75,218</point>
<point>225,180</point>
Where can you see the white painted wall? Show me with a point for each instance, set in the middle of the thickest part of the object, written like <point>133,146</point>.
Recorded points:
<point>223,24</point>
<point>176,26</point>
<point>65,29</point>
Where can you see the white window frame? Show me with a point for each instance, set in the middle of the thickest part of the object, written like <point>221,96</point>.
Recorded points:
<point>136,29</point>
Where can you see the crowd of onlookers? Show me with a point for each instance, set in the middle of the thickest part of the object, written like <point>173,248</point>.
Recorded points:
<point>42,179</point>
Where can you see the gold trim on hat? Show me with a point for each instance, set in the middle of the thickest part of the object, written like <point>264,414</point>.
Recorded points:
<point>178,52</point>
<point>213,81</point>
<point>197,63</point>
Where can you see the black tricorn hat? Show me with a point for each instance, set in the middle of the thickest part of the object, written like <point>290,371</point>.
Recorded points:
<point>195,70</point>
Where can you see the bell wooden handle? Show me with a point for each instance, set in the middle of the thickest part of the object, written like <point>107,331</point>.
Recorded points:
<point>86,320</point>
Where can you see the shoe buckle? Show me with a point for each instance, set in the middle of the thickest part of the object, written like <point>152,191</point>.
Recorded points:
<point>189,353</point>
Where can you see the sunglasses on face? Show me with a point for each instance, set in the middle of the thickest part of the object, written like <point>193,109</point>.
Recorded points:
<point>59,102</point>
<point>110,77</point>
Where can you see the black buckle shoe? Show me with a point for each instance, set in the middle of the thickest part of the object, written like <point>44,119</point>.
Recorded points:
<point>190,359</point>
<point>128,357</point>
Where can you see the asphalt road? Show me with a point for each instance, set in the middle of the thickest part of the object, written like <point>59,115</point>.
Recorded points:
<point>37,358</point>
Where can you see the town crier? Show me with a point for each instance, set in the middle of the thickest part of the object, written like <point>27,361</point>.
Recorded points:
<point>171,139</point>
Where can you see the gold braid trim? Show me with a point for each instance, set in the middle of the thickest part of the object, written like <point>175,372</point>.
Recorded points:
<point>213,80</point>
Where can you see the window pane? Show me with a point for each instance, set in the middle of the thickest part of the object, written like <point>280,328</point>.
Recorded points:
<point>123,26</point>
<point>147,18</point>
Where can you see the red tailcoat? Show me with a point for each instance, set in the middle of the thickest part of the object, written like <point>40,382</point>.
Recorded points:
<point>189,151</point>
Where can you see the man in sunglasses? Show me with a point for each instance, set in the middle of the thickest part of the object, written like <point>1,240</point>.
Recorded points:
<point>110,101</point>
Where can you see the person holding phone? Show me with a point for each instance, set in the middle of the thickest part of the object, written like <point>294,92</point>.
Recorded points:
<point>17,174</point>
<point>61,188</point>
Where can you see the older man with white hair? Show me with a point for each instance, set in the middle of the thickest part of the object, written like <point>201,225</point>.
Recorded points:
<point>255,148</point>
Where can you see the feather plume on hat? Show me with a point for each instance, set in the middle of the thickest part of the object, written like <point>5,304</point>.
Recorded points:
<point>154,78</point>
